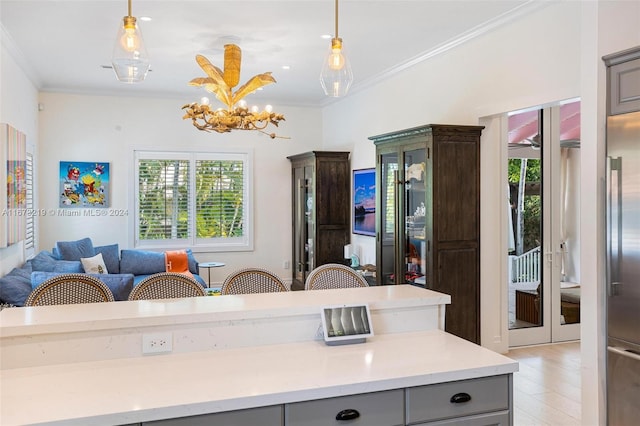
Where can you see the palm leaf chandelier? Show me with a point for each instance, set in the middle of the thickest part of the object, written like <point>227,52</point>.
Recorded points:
<point>237,116</point>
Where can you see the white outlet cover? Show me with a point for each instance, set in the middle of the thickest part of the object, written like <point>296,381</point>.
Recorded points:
<point>157,343</point>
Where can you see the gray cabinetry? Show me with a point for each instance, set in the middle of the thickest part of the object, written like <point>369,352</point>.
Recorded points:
<point>483,401</point>
<point>623,75</point>
<point>372,409</point>
<point>263,416</point>
<point>478,399</point>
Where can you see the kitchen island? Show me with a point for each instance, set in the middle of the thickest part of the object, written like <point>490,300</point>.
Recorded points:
<point>251,359</point>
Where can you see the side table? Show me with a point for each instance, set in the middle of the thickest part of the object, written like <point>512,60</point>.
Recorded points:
<point>208,266</point>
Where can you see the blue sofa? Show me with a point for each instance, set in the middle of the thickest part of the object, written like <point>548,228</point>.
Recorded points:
<point>125,268</point>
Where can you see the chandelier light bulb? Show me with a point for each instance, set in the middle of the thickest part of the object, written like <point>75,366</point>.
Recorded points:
<point>255,109</point>
<point>336,59</point>
<point>268,108</point>
<point>204,100</point>
<point>242,104</point>
<point>129,40</point>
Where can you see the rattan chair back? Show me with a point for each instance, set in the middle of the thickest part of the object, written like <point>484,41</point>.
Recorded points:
<point>69,288</point>
<point>334,275</point>
<point>253,280</point>
<point>166,285</point>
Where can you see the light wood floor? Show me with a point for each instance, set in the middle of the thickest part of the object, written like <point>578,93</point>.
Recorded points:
<point>547,386</point>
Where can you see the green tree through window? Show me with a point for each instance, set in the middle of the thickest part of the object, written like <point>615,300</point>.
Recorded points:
<point>195,199</point>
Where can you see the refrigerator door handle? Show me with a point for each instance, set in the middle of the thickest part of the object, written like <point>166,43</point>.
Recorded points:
<point>614,224</point>
<point>624,352</point>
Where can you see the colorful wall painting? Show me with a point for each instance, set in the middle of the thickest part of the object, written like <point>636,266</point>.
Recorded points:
<point>14,201</point>
<point>84,184</point>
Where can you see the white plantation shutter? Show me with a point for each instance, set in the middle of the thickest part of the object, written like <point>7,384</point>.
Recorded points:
<point>220,198</point>
<point>193,199</point>
<point>29,240</point>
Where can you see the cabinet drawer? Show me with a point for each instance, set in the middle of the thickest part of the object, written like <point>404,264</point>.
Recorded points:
<point>263,416</point>
<point>433,402</point>
<point>376,409</point>
<point>490,419</point>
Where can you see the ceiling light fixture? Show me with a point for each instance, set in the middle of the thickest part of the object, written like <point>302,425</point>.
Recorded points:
<point>130,60</point>
<point>237,116</point>
<point>336,76</point>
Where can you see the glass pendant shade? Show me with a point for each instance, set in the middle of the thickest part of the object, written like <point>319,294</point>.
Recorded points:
<point>130,59</point>
<point>336,76</point>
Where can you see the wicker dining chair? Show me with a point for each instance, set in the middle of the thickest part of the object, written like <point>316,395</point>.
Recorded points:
<point>334,275</point>
<point>68,289</point>
<point>252,280</point>
<point>166,285</point>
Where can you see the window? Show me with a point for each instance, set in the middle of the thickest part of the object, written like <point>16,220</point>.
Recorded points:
<point>193,199</point>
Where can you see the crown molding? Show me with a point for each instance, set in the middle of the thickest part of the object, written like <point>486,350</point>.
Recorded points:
<point>497,22</point>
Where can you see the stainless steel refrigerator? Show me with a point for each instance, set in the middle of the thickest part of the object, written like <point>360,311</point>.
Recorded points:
<point>623,271</point>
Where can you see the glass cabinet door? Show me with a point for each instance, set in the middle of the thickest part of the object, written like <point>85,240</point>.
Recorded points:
<point>402,222</point>
<point>413,216</point>
<point>303,239</point>
<point>402,250</point>
<point>389,199</point>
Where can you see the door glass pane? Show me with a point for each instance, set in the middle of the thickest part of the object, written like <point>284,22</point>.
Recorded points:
<point>309,220</point>
<point>525,204</point>
<point>414,210</point>
<point>569,209</point>
<point>389,178</point>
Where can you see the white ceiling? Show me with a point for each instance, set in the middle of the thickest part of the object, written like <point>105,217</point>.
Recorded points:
<point>63,44</point>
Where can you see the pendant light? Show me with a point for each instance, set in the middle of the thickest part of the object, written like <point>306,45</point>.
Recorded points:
<point>336,76</point>
<point>130,60</point>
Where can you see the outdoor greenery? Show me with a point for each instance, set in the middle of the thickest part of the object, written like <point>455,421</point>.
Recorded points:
<point>165,205</point>
<point>532,211</point>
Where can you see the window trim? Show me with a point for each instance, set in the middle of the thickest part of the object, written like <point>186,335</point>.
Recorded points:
<point>244,243</point>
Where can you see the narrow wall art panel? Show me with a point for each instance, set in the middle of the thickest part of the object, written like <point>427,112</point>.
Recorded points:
<point>84,184</point>
<point>14,200</point>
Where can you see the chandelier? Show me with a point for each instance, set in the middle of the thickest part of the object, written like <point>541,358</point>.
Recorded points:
<point>237,115</point>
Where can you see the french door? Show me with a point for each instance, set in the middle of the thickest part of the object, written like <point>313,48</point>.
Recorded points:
<point>544,278</point>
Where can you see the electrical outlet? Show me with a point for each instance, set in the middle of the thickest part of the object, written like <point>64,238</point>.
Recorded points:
<point>286,264</point>
<point>157,343</point>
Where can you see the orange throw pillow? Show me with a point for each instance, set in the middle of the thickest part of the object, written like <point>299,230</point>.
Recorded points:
<point>178,262</point>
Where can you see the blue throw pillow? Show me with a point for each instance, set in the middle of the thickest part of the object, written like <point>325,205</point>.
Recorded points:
<point>16,285</point>
<point>141,262</point>
<point>111,257</point>
<point>45,261</point>
<point>193,263</point>
<point>75,250</point>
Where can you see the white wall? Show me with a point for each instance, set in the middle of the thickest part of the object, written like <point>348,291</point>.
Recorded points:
<point>18,107</point>
<point>102,128</point>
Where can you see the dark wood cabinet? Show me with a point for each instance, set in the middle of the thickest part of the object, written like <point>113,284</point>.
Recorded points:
<point>321,213</point>
<point>428,216</point>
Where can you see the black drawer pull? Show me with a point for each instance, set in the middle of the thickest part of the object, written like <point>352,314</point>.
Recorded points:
<point>461,397</point>
<point>348,414</point>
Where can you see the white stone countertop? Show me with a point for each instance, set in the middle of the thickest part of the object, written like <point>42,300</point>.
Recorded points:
<point>127,314</point>
<point>124,391</point>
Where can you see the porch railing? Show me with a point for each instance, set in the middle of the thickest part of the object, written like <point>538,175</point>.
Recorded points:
<point>526,267</point>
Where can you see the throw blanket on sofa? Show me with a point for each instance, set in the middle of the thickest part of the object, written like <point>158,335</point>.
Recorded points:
<point>178,262</point>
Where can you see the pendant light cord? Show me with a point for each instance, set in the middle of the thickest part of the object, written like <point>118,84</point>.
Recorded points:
<point>130,8</point>
<point>336,36</point>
